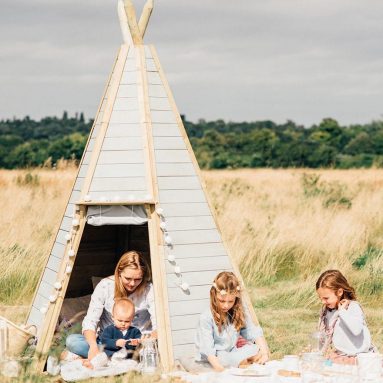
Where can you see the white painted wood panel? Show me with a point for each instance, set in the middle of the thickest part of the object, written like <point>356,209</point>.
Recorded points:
<point>164,156</point>
<point>163,117</point>
<point>154,78</point>
<point>148,53</point>
<point>187,321</point>
<point>183,336</point>
<point>208,263</point>
<point>187,308</point>
<point>121,156</point>
<point>151,66</point>
<point>169,143</point>
<point>61,236</point>
<point>125,117</point>
<point>75,196</point>
<point>54,263</point>
<point>58,250</point>
<point>127,91</point>
<point>129,78</point>
<point>185,209</point>
<point>165,130</point>
<point>78,184</point>
<point>184,351</point>
<point>36,318</point>
<point>179,183</point>
<point>124,130</point>
<point>130,65</point>
<point>66,223</point>
<point>125,103</point>
<point>91,144</point>
<point>86,158</point>
<point>195,236</point>
<point>117,184</point>
<point>180,169</point>
<point>193,279</point>
<point>49,277</point>
<point>40,301</point>
<point>122,195</point>
<point>157,103</point>
<point>157,91</point>
<point>45,290</point>
<point>178,196</point>
<point>190,223</point>
<point>122,143</point>
<point>176,294</point>
<point>70,210</point>
<point>198,250</point>
<point>83,170</point>
<point>119,170</point>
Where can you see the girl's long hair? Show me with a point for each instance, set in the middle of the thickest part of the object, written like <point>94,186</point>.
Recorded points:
<point>131,260</point>
<point>228,282</point>
<point>335,280</point>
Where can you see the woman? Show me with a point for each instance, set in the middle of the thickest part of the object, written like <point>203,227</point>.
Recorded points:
<point>131,279</point>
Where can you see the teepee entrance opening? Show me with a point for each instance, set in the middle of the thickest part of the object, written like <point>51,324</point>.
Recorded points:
<point>100,249</point>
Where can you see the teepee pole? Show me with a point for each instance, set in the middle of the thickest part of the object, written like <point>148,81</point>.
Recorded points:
<point>123,18</point>
<point>145,16</point>
<point>132,22</point>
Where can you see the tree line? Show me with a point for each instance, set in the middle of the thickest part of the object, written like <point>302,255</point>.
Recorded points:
<point>217,144</point>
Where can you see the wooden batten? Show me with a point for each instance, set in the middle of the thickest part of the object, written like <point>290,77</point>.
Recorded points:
<point>132,22</point>
<point>50,320</point>
<point>114,84</point>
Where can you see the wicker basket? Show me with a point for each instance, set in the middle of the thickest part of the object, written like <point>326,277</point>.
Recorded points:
<point>15,337</point>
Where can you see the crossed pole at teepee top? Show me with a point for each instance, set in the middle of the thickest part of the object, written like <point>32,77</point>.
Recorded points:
<point>133,32</point>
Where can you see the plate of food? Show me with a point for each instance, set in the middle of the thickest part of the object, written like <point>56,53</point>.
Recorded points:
<point>249,372</point>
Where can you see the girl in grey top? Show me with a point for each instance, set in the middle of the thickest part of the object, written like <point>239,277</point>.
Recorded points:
<point>342,322</point>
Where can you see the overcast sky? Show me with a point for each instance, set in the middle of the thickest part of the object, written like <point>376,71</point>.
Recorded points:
<point>302,60</point>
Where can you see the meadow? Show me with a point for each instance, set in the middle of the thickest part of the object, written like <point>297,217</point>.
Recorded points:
<point>283,227</point>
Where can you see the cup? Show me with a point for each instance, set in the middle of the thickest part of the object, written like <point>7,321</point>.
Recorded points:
<point>53,365</point>
<point>369,365</point>
<point>291,362</point>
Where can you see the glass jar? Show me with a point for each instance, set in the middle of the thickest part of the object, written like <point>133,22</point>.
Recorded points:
<point>149,356</point>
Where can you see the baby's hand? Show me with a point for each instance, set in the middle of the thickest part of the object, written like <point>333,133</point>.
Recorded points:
<point>121,342</point>
<point>134,342</point>
<point>344,303</point>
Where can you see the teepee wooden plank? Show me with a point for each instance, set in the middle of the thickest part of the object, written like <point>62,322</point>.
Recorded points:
<point>177,156</point>
<point>165,130</point>
<point>116,184</point>
<point>184,322</point>
<point>190,223</point>
<point>185,209</point>
<point>179,183</point>
<point>180,169</point>
<point>122,157</point>
<point>195,251</point>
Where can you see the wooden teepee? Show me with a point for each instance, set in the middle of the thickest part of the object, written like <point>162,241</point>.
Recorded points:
<point>137,155</point>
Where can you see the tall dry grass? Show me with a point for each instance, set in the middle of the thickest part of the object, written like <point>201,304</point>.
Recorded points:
<point>283,227</point>
<point>33,202</point>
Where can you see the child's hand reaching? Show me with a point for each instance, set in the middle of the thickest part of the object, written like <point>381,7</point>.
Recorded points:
<point>121,342</point>
<point>241,342</point>
<point>134,342</point>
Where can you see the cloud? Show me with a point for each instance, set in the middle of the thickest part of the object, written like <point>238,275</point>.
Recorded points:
<point>239,60</point>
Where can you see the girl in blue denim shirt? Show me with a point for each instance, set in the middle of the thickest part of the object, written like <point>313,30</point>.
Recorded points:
<point>226,335</point>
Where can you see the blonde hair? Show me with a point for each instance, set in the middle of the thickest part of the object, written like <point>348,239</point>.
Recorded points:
<point>123,303</point>
<point>335,280</point>
<point>227,283</point>
<point>130,260</point>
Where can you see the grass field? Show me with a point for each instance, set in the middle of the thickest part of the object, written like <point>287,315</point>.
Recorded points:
<point>283,227</point>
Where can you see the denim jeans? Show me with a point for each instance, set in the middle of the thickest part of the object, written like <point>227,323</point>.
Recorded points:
<point>77,344</point>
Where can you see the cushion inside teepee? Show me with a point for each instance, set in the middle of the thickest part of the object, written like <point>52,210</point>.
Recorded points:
<point>116,215</point>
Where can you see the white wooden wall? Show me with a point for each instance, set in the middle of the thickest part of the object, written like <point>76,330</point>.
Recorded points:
<point>197,244</point>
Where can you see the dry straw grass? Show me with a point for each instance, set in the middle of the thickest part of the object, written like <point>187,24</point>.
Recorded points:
<point>283,227</point>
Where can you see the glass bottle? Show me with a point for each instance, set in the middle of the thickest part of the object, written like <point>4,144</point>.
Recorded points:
<point>149,356</point>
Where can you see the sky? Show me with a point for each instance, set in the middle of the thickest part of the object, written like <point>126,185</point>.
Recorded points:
<point>237,60</point>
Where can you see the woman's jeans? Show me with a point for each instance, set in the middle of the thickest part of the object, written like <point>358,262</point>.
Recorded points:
<point>77,344</point>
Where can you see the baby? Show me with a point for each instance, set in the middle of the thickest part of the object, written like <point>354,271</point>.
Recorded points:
<point>118,336</point>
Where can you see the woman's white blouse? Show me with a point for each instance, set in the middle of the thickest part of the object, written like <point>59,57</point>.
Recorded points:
<point>209,340</point>
<point>99,314</point>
